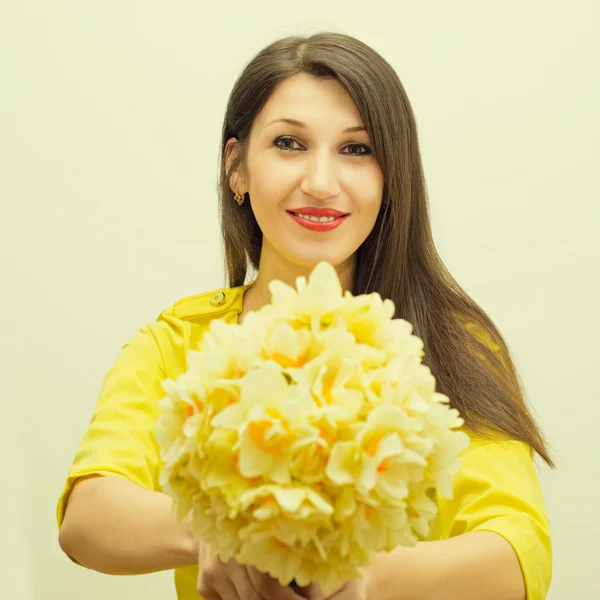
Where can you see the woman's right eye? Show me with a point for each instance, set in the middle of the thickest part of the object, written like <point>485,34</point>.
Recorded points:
<point>284,138</point>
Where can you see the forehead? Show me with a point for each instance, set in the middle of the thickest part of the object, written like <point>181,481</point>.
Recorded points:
<point>314,100</point>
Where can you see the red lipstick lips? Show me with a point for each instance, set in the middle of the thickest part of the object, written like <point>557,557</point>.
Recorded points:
<point>328,218</point>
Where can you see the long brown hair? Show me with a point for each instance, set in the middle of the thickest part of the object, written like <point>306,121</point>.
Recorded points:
<point>463,348</point>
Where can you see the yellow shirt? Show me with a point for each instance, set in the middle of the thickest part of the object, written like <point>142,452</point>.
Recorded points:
<point>496,489</point>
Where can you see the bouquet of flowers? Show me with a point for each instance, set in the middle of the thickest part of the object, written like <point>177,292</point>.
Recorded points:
<point>309,437</point>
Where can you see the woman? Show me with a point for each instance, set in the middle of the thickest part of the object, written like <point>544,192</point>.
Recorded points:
<point>320,161</point>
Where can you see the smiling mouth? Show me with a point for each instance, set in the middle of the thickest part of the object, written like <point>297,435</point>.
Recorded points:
<point>316,219</point>
<point>319,223</point>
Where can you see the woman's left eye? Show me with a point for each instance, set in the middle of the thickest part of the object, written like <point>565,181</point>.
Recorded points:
<point>365,150</point>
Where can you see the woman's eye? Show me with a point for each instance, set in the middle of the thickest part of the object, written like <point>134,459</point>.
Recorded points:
<point>363,150</point>
<point>285,140</point>
<point>286,143</point>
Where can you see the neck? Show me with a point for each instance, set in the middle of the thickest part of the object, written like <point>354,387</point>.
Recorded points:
<point>274,266</point>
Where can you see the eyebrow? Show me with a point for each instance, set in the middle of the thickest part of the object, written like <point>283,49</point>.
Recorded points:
<point>301,124</point>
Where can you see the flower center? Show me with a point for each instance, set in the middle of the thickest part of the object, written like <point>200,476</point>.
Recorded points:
<point>286,361</point>
<point>372,445</point>
<point>274,444</point>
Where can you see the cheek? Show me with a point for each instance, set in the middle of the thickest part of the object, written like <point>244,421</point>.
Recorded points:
<point>367,218</point>
<point>266,206</point>
<point>368,206</point>
<point>271,178</point>
<point>372,205</point>
<point>265,193</point>
<point>366,188</point>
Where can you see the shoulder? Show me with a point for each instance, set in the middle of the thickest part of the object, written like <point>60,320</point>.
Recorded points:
<point>493,444</point>
<point>180,327</point>
<point>218,303</point>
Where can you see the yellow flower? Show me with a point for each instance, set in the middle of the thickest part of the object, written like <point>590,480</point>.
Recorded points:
<point>180,485</point>
<point>366,317</point>
<point>397,339</point>
<point>185,400</point>
<point>376,456</point>
<point>211,524</point>
<point>227,351</point>
<point>289,500</point>
<point>449,443</point>
<point>269,418</point>
<point>312,303</point>
<point>220,470</point>
<point>421,508</point>
<point>294,550</point>
<point>286,346</point>
<point>270,555</point>
<point>310,437</point>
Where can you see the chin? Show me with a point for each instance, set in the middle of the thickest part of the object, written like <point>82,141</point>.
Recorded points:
<point>309,261</point>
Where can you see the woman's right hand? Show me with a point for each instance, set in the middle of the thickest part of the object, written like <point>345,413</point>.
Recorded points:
<point>232,581</point>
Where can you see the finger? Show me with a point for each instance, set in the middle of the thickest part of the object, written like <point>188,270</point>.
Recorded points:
<point>211,595</point>
<point>269,588</point>
<point>310,592</point>
<point>240,581</point>
<point>354,589</point>
<point>215,583</point>
<point>208,593</point>
<point>226,589</point>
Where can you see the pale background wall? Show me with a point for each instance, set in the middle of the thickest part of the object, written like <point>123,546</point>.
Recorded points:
<point>111,114</point>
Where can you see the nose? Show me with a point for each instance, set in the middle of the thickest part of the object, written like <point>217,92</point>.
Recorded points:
<point>320,177</point>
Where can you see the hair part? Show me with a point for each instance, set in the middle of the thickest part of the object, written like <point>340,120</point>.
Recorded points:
<point>463,348</point>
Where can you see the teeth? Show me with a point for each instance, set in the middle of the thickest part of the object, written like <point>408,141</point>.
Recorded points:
<point>317,219</point>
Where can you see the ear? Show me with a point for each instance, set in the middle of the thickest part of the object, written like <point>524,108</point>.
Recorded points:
<point>236,182</point>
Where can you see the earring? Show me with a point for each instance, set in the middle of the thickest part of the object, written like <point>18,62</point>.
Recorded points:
<point>239,199</point>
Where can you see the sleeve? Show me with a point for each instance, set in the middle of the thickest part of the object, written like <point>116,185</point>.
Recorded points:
<point>497,489</point>
<point>120,438</point>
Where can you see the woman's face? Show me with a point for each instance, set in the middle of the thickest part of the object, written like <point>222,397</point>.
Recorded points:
<point>297,175</point>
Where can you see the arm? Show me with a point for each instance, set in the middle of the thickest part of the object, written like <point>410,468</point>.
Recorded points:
<point>493,540</point>
<point>480,565</point>
<point>114,526</point>
<point>112,514</point>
